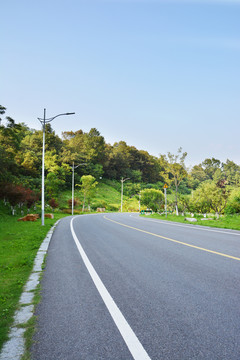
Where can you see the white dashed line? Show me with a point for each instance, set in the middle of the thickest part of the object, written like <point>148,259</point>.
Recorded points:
<point>131,340</point>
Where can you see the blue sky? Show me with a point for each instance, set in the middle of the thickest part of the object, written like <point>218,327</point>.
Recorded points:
<point>156,74</point>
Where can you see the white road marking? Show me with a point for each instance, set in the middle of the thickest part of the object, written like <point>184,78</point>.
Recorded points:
<point>131,340</point>
<point>189,226</point>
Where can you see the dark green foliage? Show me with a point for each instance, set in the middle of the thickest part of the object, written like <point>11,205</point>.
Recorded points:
<point>131,189</point>
<point>210,166</point>
<point>183,188</point>
<point>21,163</point>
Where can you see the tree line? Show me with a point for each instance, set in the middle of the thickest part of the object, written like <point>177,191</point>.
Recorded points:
<point>21,162</point>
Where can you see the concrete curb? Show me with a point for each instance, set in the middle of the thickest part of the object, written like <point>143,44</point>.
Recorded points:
<point>14,348</point>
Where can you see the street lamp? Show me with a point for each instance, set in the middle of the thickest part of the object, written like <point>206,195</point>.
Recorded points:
<point>165,194</point>
<point>43,122</point>
<point>122,181</point>
<point>74,167</point>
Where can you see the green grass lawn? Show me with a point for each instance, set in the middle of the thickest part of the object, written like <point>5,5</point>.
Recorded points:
<point>226,222</point>
<point>19,243</point>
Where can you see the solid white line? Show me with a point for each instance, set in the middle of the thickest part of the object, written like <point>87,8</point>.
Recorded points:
<point>131,340</point>
<point>189,226</point>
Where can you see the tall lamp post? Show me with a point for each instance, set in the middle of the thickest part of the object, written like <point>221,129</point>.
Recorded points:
<point>74,167</point>
<point>165,194</point>
<point>45,121</point>
<point>122,181</point>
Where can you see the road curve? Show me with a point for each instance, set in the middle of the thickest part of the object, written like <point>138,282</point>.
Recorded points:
<point>176,288</point>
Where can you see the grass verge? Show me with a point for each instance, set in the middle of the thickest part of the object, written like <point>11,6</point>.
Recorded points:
<point>225,222</point>
<point>19,243</point>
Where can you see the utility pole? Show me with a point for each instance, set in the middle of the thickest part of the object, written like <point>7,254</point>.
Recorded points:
<point>165,194</point>
<point>122,181</point>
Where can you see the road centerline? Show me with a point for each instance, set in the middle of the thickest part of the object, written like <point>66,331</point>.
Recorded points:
<point>131,340</point>
<point>175,241</point>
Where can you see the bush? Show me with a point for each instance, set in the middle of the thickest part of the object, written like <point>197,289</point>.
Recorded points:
<point>112,207</point>
<point>70,203</point>
<point>233,205</point>
<point>69,211</point>
<point>98,204</point>
<point>232,209</point>
<point>152,198</point>
<point>53,203</point>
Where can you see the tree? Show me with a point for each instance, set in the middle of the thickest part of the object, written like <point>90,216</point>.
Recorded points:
<point>7,164</point>
<point>118,162</point>
<point>11,135</point>
<point>199,202</point>
<point>210,166</point>
<point>53,184</point>
<point>87,188</point>
<point>152,198</point>
<point>31,153</point>
<point>132,189</point>
<point>174,170</point>
<point>219,177</point>
<point>84,147</point>
<point>210,196</point>
<point>196,176</point>
<point>233,204</point>
<point>18,195</point>
<point>2,112</point>
<point>14,194</point>
<point>231,172</point>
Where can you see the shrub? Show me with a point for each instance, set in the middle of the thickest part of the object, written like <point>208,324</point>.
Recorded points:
<point>53,203</point>
<point>152,198</point>
<point>99,204</point>
<point>112,207</point>
<point>70,203</point>
<point>233,205</point>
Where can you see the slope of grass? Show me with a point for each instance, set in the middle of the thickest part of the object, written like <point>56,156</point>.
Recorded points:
<point>19,243</point>
<point>105,196</point>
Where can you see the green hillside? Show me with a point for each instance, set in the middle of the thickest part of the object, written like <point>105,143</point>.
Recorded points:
<point>107,195</point>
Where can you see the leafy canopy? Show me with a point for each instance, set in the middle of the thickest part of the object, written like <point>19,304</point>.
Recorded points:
<point>152,198</point>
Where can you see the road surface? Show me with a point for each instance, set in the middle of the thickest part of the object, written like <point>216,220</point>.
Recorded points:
<point>119,286</point>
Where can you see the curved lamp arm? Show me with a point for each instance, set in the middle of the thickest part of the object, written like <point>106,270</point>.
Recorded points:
<point>52,118</point>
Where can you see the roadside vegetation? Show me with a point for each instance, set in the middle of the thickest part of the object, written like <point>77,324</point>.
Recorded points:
<point>211,186</point>
<point>19,243</point>
<point>225,221</point>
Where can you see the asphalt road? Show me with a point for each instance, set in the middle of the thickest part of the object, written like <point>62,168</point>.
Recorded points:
<point>172,291</point>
